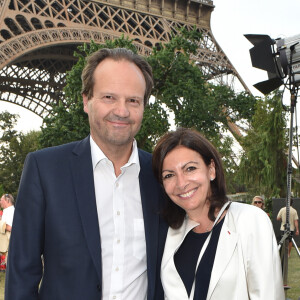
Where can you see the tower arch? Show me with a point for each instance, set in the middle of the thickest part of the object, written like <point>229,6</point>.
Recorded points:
<point>38,38</point>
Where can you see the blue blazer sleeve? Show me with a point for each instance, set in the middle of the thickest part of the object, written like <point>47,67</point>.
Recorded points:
<point>55,250</point>
<point>26,249</point>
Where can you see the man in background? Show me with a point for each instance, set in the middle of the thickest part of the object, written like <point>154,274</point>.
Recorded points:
<point>7,204</point>
<point>293,220</point>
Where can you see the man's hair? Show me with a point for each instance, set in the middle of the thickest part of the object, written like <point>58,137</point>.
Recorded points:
<point>116,54</point>
<point>9,198</point>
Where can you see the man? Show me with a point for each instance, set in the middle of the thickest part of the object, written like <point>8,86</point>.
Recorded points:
<point>7,204</point>
<point>90,208</point>
<point>293,220</point>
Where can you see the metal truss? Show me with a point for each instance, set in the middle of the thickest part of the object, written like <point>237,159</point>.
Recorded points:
<point>38,38</point>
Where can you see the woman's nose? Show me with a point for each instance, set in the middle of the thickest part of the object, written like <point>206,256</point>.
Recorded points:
<point>181,181</point>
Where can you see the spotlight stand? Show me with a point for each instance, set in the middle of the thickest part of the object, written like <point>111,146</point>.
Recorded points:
<point>264,55</point>
<point>287,232</point>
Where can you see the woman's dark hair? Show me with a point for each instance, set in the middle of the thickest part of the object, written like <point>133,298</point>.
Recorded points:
<point>116,54</point>
<point>193,140</point>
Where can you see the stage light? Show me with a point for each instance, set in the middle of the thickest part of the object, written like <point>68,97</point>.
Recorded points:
<point>280,58</point>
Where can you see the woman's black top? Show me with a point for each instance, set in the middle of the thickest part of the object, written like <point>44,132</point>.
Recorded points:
<point>186,258</point>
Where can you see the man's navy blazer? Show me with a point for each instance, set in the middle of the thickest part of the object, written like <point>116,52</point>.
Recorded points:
<point>56,218</point>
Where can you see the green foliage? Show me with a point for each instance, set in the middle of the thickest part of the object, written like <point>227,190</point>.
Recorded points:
<point>2,191</point>
<point>263,164</point>
<point>155,124</point>
<point>181,87</point>
<point>14,147</point>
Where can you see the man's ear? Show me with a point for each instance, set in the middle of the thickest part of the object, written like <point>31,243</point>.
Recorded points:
<point>85,101</point>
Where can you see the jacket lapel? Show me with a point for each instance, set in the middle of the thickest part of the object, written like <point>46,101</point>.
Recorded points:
<point>150,197</point>
<point>226,246</point>
<point>82,170</point>
<point>170,277</point>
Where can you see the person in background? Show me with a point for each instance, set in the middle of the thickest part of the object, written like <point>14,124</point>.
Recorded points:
<point>7,204</point>
<point>215,249</point>
<point>95,201</point>
<point>293,220</point>
<point>259,202</point>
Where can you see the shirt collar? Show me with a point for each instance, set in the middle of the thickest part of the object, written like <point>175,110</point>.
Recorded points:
<point>98,155</point>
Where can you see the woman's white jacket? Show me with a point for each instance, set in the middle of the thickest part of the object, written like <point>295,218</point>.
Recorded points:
<point>247,263</point>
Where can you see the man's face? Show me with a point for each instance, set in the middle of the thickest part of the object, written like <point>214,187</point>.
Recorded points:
<point>3,202</point>
<point>116,108</point>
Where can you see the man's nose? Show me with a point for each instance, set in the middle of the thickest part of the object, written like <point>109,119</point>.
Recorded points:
<point>121,109</point>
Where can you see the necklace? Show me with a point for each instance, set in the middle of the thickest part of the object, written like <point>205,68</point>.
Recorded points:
<point>198,229</point>
<point>207,229</point>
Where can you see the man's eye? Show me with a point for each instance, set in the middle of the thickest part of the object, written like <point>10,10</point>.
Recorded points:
<point>134,101</point>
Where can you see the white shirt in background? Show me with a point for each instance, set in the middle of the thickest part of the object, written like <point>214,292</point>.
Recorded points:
<point>8,215</point>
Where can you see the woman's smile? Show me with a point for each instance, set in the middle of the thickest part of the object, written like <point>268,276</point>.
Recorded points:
<point>188,194</point>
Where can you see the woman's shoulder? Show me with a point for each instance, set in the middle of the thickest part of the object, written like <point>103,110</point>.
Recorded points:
<point>247,214</point>
<point>244,207</point>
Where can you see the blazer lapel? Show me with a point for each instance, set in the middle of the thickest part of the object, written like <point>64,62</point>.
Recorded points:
<point>170,277</point>
<point>150,197</point>
<point>226,246</point>
<point>82,170</point>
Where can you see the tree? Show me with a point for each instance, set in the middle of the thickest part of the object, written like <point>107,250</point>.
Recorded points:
<point>264,163</point>
<point>180,90</point>
<point>14,147</point>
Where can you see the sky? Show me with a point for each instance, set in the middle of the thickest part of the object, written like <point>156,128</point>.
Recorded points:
<point>230,20</point>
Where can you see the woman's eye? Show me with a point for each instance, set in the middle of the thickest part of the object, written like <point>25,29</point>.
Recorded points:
<point>191,168</point>
<point>167,176</point>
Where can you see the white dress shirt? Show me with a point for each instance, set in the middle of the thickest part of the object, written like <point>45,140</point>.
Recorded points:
<point>8,215</point>
<point>121,222</point>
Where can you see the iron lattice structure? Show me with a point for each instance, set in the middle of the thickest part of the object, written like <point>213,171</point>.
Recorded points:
<point>38,39</point>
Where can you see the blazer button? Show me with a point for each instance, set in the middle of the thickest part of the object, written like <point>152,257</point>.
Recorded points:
<point>99,287</point>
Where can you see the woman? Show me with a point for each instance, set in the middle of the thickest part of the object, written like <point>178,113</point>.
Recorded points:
<point>215,249</point>
<point>258,201</point>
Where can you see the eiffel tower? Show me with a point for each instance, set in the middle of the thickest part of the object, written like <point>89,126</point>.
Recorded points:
<point>38,39</point>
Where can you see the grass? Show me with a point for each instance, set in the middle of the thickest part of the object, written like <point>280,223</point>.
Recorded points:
<point>293,278</point>
<point>2,280</point>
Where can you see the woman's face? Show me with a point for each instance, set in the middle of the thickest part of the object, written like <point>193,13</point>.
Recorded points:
<point>186,178</point>
<point>258,202</point>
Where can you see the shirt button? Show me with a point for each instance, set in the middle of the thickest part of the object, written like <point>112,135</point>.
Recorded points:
<point>117,269</point>
<point>117,185</point>
<point>114,297</point>
<point>118,213</point>
<point>118,241</point>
